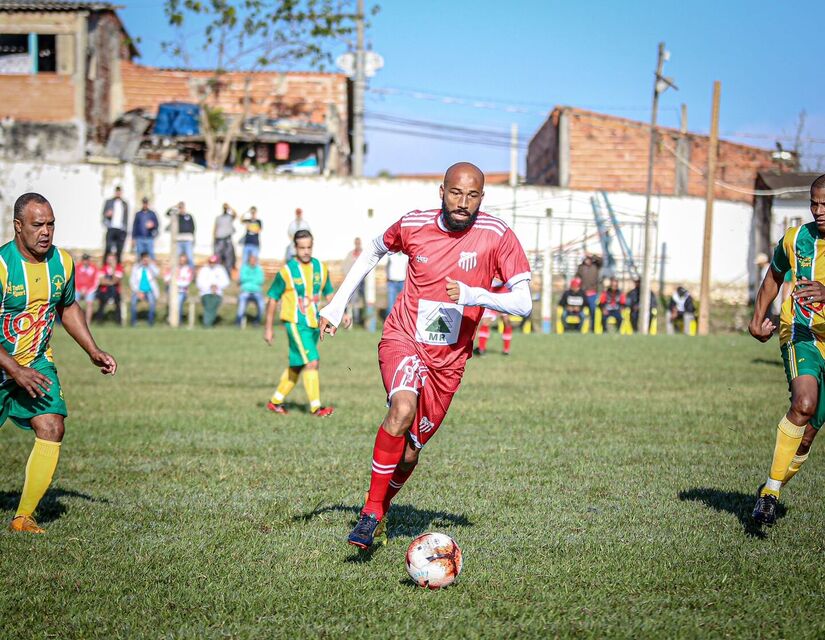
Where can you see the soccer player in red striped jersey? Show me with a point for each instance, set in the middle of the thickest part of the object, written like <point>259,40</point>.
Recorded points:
<point>454,254</point>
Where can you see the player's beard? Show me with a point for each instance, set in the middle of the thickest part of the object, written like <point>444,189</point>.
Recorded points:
<point>456,225</point>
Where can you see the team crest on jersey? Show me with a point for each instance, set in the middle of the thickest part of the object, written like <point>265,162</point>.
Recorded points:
<point>57,283</point>
<point>426,425</point>
<point>468,260</point>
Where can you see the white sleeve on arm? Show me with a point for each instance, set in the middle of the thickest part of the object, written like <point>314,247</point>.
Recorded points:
<point>365,263</point>
<point>517,301</point>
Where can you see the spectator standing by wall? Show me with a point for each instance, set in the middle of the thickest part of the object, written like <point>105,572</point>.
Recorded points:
<point>358,302</point>
<point>116,221</point>
<point>211,281</point>
<point>294,227</point>
<point>396,274</point>
<point>185,277</point>
<point>222,236</point>
<point>252,284</point>
<point>251,241</point>
<point>143,281</point>
<point>186,232</point>
<point>87,279</point>
<point>144,230</point>
<point>588,273</point>
<point>108,289</point>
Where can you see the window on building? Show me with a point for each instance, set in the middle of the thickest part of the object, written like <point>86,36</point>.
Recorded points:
<point>27,53</point>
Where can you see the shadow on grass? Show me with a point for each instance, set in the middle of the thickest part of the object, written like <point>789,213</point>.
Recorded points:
<point>774,362</point>
<point>51,506</point>
<point>404,521</point>
<point>292,408</point>
<point>734,502</point>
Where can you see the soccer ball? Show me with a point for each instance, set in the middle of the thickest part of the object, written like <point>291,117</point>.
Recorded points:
<point>433,560</point>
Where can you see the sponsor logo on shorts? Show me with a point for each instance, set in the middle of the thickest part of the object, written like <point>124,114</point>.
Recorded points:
<point>468,260</point>
<point>421,258</point>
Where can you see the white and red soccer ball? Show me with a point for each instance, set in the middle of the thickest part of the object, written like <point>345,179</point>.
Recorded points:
<point>433,560</point>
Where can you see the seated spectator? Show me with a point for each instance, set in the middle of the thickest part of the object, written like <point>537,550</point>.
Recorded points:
<point>252,283</point>
<point>681,311</point>
<point>572,305</point>
<point>108,289</point>
<point>143,281</point>
<point>185,277</point>
<point>611,303</point>
<point>634,297</point>
<point>86,281</point>
<point>211,281</point>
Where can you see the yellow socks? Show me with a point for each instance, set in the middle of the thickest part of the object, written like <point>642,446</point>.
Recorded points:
<point>312,385</point>
<point>796,463</point>
<point>289,379</point>
<point>39,472</point>
<point>788,437</point>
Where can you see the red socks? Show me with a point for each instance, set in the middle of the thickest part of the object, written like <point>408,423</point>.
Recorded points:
<point>483,336</point>
<point>507,336</point>
<point>385,456</point>
<point>397,481</point>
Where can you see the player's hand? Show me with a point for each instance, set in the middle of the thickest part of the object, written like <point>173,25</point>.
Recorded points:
<point>346,321</point>
<point>453,289</point>
<point>762,331</point>
<point>809,292</point>
<point>35,383</point>
<point>268,335</point>
<point>325,326</point>
<point>104,362</point>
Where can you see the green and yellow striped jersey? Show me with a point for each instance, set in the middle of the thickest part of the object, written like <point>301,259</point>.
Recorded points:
<point>299,304</point>
<point>31,293</point>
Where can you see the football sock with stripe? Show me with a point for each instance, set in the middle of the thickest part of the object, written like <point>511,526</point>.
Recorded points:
<point>483,336</point>
<point>788,437</point>
<point>289,379</point>
<point>399,477</point>
<point>312,385</point>
<point>796,464</point>
<point>386,455</point>
<point>507,336</point>
<point>39,471</point>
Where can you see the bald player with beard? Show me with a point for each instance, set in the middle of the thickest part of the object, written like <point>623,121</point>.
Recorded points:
<point>454,253</point>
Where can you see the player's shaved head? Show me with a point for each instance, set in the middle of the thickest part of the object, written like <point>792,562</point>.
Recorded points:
<point>819,183</point>
<point>461,194</point>
<point>818,203</point>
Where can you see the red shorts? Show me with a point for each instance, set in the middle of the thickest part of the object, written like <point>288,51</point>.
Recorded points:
<point>402,369</point>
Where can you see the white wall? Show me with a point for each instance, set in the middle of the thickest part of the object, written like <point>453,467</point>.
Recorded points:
<point>336,208</point>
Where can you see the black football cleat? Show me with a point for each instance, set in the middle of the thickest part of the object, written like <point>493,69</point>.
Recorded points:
<point>764,512</point>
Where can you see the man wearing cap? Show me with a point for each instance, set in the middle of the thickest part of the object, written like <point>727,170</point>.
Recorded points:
<point>144,230</point>
<point>211,281</point>
<point>87,279</point>
<point>116,221</point>
<point>571,307</point>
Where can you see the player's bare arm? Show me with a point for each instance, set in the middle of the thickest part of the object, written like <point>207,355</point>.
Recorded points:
<point>760,326</point>
<point>74,321</point>
<point>34,382</point>
<point>271,307</point>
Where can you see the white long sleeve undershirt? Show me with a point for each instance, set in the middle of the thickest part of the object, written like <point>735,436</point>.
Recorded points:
<point>365,263</point>
<point>518,301</point>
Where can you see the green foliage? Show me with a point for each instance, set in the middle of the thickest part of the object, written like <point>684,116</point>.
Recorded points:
<point>216,118</point>
<point>598,485</point>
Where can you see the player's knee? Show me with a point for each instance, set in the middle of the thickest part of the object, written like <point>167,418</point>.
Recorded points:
<point>311,366</point>
<point>51,430</point>
<point>400,417</point>
<point>805,405</point>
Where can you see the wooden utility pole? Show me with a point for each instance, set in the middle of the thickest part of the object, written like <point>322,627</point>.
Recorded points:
<point>358,89</point>
<point>547,278</point>
<point>713,148</point>
<point>174,257</point>
<point>514,165</point>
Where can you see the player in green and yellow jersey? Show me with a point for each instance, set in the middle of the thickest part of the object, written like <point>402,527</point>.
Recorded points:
<point>800,252</point>
<point>37,281</point>
<point>299,286</point>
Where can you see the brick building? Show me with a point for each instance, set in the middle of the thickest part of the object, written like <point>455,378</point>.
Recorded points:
<point>580,149</point>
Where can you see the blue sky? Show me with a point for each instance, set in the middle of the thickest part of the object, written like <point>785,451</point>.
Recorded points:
<point>528,55</point>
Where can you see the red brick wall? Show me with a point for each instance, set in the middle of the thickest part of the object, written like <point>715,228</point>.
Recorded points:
<point>45,97</point>
<point>611,153</point>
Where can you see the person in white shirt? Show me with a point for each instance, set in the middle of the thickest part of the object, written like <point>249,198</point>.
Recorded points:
<point>396,274</point>
<point>294,227</point>
<point>185,277</point>
<point>211,281</point>
<point>116,221</point>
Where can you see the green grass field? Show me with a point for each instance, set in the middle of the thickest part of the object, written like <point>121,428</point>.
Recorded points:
<point>598,486</point>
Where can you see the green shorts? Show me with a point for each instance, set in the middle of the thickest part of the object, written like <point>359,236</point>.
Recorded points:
<point>303,344</point>
<point>805,359</point>
<point>17,404</point>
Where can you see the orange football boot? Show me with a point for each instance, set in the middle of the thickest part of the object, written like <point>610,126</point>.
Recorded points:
<point>25,524</point>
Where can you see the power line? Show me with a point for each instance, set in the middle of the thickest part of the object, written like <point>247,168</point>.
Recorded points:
<point>442,137</point>
<point>440,126</point>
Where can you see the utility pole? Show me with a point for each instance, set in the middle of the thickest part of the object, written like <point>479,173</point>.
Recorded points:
<point>174,256</point>
<point>704,291</point>
<point>514,165</point>
<point>358,90</point>
<point>547,278</point>
<point>660,83</point>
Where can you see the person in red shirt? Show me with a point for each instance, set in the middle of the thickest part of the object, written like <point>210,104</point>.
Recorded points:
<point>611,302</point>
<point>454,254</point>
<point>86,281</point>
<point>487,319</point>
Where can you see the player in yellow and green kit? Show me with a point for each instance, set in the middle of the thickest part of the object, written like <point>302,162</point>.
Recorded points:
<point>800,252</point>
<point>299,286</point>
<point>37,281</point>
